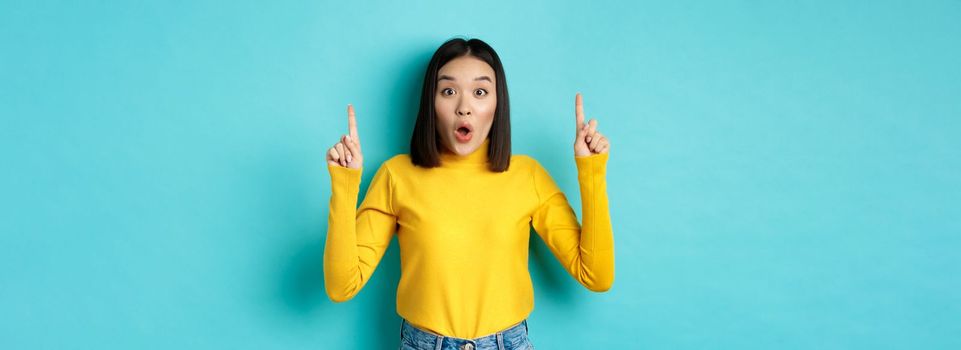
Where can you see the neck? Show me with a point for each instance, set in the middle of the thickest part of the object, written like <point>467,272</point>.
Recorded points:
<point>476,158</point>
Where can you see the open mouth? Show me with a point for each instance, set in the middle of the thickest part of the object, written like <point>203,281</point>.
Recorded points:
<point>463,132</point>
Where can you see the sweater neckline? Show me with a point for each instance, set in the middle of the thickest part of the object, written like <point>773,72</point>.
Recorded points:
<point>474,159</point>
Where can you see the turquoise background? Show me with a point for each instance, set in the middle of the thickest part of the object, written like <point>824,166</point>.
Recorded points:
<point>782,175</point>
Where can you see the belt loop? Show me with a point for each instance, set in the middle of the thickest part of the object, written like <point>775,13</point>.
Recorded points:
<point>500,341</point>
<point>402,328</point>
<point>440,342</point>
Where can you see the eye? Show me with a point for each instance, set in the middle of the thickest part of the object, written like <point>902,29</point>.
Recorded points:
<point>480,92</point>
<point>447,92</point>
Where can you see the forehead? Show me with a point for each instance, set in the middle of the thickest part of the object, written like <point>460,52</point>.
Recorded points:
<point>466,68</point>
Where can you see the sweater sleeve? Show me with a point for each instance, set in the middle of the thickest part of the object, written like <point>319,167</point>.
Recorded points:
<point>356,238</point>
<point>587,252</point>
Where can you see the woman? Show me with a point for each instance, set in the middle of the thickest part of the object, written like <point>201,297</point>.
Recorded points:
<point>462,206</point>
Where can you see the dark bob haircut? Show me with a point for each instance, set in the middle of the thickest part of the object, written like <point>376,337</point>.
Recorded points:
<point>425,145</point>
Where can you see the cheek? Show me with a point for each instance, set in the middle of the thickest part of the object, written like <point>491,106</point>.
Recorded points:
<point>487,112</point>
<point>444,113</point>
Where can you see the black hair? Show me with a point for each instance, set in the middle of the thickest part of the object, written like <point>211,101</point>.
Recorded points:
<point>425,145</point>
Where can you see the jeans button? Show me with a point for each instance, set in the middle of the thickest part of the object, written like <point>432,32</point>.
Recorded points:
<point>468,346</point>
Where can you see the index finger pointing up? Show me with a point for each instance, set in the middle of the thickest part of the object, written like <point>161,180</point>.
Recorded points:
<point>579,111</point>
<point>352,123</point>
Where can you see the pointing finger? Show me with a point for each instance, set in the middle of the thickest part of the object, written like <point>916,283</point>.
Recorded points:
<point>578,111</point>
<point>352,123</point>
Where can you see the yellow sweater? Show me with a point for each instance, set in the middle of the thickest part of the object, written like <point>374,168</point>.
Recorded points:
<point>463,233</point>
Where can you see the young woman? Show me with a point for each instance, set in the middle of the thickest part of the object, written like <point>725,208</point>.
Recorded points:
<point>462,206</point>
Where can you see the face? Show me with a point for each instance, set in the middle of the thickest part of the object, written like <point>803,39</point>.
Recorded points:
<point>464,103</point>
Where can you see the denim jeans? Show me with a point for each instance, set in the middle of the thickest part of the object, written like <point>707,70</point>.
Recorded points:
<point>513,338</point>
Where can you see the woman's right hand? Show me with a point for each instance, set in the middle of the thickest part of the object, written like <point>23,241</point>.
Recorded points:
<point>346,153</point>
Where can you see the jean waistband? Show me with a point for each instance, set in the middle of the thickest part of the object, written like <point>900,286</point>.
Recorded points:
<point>514,337</point>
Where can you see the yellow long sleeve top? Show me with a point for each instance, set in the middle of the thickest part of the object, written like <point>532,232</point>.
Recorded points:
<point>463,233</point>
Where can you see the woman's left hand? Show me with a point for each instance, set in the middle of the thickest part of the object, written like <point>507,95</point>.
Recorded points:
<point>588,141</point>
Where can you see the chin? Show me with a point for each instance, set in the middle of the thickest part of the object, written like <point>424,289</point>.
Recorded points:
<point>463,149</point>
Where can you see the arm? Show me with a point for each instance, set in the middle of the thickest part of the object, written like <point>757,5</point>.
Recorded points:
<point>587,253</point>
<point>356,238</point>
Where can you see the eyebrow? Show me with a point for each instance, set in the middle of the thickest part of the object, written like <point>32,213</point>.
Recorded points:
<point>447,77</point>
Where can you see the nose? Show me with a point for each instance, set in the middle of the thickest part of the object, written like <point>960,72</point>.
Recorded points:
<point>463,108</point>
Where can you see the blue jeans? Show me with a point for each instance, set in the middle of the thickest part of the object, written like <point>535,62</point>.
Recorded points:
<point>513,338</point>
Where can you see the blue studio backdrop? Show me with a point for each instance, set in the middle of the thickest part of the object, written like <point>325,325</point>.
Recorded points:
<point>783,175</point>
